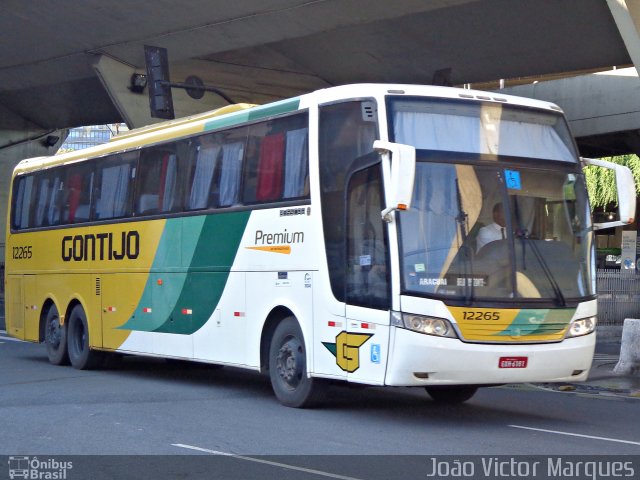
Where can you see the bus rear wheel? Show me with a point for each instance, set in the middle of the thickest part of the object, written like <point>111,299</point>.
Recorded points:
<point>451,394</point>
<point>80,354</point>
<point>288,367</point>
<point>55,336</point>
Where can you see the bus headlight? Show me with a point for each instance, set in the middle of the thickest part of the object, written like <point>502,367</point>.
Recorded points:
<point>581,327</point>
<point>438,327</point>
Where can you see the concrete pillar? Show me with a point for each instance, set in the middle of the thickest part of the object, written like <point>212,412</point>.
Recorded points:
<point>116,78</point>
<point>629,362</point>
<point>626,14</point>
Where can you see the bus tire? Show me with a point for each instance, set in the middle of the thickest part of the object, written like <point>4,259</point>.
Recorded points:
<point>80,354</point>
<point>451,394</point>
<point>288,367</point>
<point>55,336</point>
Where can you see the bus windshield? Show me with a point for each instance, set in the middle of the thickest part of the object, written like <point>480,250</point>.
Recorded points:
<point>487,222</point>
<point>497,233</point>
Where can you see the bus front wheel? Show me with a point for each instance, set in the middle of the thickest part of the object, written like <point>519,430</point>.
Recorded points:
<point>288,367</point>
<point>451,394</point>
<point>80,354</point>
<point>55,336</point>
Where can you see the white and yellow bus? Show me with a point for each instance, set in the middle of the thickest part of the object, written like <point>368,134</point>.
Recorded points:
<point>339,235</point>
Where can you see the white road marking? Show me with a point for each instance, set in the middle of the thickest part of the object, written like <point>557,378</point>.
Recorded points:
<point>2,337</point>
<point>617,440</point>
<point>266,462</point>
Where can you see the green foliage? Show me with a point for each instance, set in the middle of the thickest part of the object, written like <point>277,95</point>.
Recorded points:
<point>601,182</point>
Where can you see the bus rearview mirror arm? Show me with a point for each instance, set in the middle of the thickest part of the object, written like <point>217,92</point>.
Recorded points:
<point>403,169</point>
<point>626,190</point>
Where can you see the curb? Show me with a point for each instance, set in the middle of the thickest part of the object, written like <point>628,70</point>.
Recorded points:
<point>602,381</point>
<point>592,390</point>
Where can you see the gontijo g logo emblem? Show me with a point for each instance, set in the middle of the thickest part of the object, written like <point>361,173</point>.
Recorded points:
<point>347,349</point>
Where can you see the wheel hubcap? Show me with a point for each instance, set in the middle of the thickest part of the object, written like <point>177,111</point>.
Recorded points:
<point>53,333</point>
<point>80,339</point>
<point>290,363</point>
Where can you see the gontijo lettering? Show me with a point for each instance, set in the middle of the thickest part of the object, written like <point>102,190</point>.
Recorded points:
<point>101,246</point>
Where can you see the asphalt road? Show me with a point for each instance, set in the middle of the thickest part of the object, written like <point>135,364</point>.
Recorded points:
<point>151,407</point>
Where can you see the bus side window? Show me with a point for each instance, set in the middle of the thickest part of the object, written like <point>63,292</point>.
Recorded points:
<point>269,182</point>
<point>43,197</point>
<point>23,192</point>
<point>78,193</point>
<point>228,187</point>
<point>296,164</point>
<point>116,176</point>
<point>277,160</point>
<point>263,151</point>
<point>227,170</point>
<point>159,181</point>
<point>206,154</point>
<point>44,207</point>
<point>55,197</point>
<point>74,186</point>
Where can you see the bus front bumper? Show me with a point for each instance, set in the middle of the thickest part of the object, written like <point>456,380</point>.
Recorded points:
<point>417,359</point>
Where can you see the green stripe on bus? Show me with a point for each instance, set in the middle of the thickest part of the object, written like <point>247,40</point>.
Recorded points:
<point>213,257</point>
<point>276,108</point>
<point>539,322</point>
<point>185,300</point>
<point>255,113</point>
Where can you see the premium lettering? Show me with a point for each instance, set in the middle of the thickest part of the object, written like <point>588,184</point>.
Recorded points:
<point>102,246</point>
<point>285,237</point>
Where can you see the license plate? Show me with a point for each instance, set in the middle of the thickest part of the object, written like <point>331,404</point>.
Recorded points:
<point>513,362</point>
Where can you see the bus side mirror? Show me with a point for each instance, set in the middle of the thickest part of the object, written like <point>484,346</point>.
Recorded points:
<point>403,169</point>
<point>626,189</point>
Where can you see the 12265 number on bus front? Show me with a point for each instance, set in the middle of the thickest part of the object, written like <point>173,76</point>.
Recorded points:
<point>480,315</point>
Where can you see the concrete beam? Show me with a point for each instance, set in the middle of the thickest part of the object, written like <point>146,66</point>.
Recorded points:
<point>626,14</point>
<point>596,104</point>
<point>134,107</point>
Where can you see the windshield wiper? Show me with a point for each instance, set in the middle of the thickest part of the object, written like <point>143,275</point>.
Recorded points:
<point>523,235</point>
<point>545,268</point>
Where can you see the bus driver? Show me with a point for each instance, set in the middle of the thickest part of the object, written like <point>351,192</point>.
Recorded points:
<point>494,231</point>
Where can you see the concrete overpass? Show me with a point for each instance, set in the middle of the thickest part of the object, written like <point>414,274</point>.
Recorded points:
<point>66,64</point>
<point>603,109</point>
